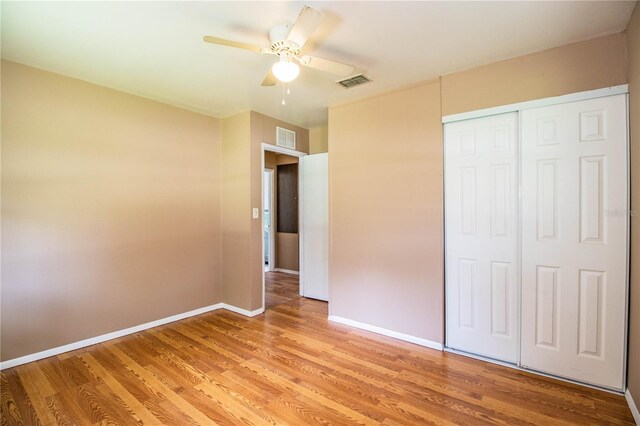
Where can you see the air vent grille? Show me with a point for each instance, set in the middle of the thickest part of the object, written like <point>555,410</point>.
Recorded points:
<point>354,81</point>
<point>285,138</point>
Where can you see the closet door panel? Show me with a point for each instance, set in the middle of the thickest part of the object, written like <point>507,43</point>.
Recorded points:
<point>574,240</point>
<point>481,185</point>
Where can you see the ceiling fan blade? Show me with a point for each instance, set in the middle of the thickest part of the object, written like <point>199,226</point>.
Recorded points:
<point>231,43</point>
<point>307,22</point>
<point>327,65</point>
<point>270,79</point>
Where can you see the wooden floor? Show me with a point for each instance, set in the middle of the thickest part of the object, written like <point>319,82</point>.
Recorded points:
<point>288,366</point>
<point>280,288</point>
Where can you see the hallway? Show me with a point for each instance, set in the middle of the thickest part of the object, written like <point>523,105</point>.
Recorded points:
<point>280,288</point>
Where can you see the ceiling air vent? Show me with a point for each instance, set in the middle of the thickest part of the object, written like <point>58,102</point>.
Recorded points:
<point>354,81</point>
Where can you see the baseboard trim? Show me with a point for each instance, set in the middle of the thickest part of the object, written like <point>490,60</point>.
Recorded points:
<point>120,333</point>
<point>241,311</point>
<point>632,406</point>
<point>390,333</point>
<point>286,271</point>
<point>104,337</point>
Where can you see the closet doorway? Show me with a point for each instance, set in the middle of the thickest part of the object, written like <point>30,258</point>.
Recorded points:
<point>536,236</point>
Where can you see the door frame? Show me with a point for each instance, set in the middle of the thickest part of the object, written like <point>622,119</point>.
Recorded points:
<point>536,103</point>
<point>272,240</point>
<point>280,150</point>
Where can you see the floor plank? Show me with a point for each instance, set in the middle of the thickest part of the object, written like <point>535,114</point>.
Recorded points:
<point>280,288</point>
<point>288,366</point>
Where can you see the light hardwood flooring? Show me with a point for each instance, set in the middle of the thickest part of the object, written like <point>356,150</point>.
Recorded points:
<point>280,288</point>
<point>288,366</point>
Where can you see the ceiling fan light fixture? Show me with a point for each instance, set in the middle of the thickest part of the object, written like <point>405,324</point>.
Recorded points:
<point>285,70</point>
<point>286,41</point>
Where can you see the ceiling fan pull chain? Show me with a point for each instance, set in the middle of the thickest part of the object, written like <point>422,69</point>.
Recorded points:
<point>283,101</point>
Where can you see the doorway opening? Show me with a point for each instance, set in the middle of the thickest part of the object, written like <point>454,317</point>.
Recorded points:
<point>268,218</point>
<point>281,242</point>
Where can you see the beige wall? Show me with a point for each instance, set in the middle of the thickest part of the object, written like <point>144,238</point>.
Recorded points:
<point>385,177</point>
<point>242,138</point>
<point>287,251</point>
<point>385,186</point>
<point>236,209</point>
<point>110,210</point>
<point>633,47</point>
<point>577,67</point>
<point>318,139</point>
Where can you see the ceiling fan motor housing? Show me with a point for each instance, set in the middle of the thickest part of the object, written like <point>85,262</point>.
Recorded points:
<point>279,43</point>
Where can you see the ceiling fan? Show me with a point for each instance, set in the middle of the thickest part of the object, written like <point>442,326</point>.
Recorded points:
<point>287,40</point>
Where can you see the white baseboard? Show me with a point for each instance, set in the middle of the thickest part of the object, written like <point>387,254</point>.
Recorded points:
<point>103,338</point>
<point>114,335</point>
<point>401,336</point>
<point>632,406</point>
<point>242,311</point>
<point>287,271</point>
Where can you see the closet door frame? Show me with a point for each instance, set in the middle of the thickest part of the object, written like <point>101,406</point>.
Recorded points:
<point>519,107</point>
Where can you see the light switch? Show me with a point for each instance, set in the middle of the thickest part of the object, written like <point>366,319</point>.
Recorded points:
<point>256,213</point>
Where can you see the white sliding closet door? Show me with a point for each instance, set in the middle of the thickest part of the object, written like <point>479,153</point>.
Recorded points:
<point>481,198</point>
<point>574,233</point>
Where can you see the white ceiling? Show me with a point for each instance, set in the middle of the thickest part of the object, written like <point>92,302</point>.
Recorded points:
<point>155,49</point>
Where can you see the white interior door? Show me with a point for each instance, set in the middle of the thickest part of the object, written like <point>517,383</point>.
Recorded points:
<point>314,272</point>
<point>482,243</point>
<point>574,233</point>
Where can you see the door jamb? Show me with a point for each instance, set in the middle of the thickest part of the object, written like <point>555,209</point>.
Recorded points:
<point>280,150</point>
<point>272,240</point>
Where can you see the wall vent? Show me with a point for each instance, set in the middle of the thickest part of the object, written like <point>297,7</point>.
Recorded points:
<point>285,138</point>
<point>354,81</point>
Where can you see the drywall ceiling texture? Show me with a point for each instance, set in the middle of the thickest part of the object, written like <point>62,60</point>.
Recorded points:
<point>385,209</point>
<point>110,210</point>
<point>155,49</point>
<point>633,47</point>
